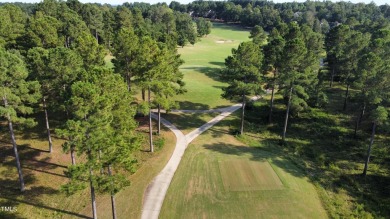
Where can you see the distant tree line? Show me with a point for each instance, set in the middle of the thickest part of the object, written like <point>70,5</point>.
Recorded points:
<point>319,15</point>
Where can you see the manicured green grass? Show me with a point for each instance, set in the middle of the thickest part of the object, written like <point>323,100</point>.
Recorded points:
<point>202,64</point>
<point>187,122</point>
<point>245,175</point>
<point>198,189</point>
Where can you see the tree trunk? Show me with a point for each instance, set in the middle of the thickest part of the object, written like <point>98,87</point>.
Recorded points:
<point>369,149</point>
<point>128,76</point>
<point>100,157</point>
<point>159,119</point>
<point>359,119</point>
<point>11,131</point>
<point>272,99</point>
<point>287,113</point>
<point>93,199</point>
<point>72,156</point>
<point>143,94</point>
<point>242,115</point>
<point>96,36</point>
<point>150,124</point>
<point>112,197</point>
<point>47,126</point>
<point>346,98</point>
<point>331,78</point>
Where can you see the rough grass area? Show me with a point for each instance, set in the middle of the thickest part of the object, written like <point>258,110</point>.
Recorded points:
<point>202,64</point>
<point>244,175</point>
<point>322,143</point>
<point>198,190</point>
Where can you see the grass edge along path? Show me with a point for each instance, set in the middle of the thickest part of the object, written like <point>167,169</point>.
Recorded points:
<point>156,191</point>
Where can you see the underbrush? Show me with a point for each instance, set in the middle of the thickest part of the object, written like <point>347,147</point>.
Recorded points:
<point>322,144</point>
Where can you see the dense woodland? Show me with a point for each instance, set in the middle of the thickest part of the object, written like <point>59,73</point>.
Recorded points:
<point>53,62</point>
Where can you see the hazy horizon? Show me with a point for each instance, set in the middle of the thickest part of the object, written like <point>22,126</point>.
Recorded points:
<point>119,2</point>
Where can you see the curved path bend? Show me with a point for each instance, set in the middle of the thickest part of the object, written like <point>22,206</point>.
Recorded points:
<point>157,189</point>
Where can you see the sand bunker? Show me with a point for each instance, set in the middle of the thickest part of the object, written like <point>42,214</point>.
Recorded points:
<point>224,41</point>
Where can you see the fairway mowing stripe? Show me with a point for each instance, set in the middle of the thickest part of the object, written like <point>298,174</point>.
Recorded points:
<point>244,175</point>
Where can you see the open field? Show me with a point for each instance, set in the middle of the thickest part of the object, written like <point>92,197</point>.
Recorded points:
<point>202,64</point>
<point>266,185</point>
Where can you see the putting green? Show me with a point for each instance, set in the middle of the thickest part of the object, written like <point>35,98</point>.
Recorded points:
<point>244,175</point>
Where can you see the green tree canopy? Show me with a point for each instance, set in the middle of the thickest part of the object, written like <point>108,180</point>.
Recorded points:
<point>242,72</point>
<point>17,94</point>
<point>12,25</point>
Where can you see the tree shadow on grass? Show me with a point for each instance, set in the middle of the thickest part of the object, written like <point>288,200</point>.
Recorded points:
<point>10,195</point>
<point>36,132</point>
<point>231,26</point>
<point>186,122</point>
<point>187,105</point>
<point>217,131</point>
<point>211,72</point>
<point>372,185</point>
<point>219,87</point>
<point>32,166</point>
<point>220,64</point>
<point>15,201</point>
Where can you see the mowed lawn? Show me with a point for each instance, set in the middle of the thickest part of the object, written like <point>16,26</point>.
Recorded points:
<point>220,177</point>
<point>202,64</point>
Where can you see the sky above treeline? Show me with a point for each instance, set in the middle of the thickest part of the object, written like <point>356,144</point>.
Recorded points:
<point>119,2</point>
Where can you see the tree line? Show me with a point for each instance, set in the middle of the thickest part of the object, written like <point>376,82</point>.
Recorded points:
<point>302,64</point>
<point>53,60</point>
<point>320,15</point>
<point>292,57</point>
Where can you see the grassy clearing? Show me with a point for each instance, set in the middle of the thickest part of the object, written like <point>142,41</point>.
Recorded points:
<point>187,122</point>
<point>202,64</point>
<point>44,174</point>
<point>198,187</point>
